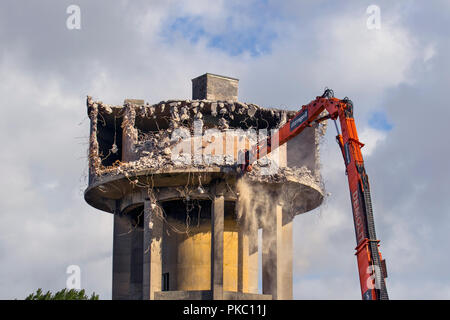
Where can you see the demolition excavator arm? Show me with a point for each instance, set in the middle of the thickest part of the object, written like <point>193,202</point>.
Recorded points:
<point>371,266</point>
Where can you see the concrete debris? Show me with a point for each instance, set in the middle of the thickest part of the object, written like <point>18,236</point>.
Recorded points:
<point>167,151</point>
<point>285,174</point>
<point>214,109</point>
<point>184,114</point>
<point>147,138</point>
<point>106,108</point>
<point>251,111</point>
<point>223,124</point>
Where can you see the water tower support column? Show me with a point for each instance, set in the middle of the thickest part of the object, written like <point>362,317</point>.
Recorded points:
<point>152,268</point>
<point>217,226</point>
<point>271,252</point>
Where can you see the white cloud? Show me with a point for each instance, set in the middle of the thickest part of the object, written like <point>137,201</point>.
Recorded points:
<point>429,52</point>
<point>371,138</point>
<point>43,229</point>
<point>357,59</point>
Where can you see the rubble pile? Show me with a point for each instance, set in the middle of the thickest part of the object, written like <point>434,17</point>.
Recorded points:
<point>285,174</point>
<point>147,133</point>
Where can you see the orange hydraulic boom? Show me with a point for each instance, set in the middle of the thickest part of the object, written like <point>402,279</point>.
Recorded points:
<point>371,266</point>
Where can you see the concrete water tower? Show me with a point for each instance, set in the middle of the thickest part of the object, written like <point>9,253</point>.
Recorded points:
<point>185,224</point>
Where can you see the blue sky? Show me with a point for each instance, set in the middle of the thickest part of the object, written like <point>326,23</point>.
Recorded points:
<point>233,36</point>
<point>379,120</point>
<point>255,40</point>
<point>285,54</point>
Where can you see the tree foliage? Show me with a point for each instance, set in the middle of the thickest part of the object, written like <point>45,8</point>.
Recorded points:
<point>63,294</point>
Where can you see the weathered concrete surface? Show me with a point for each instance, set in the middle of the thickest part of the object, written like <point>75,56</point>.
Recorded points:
<point>272,253</point>
<point>136,264</point>
<point>152,252</point>
<point>121,258</point>
<point>231,295</point>
<point>207,295</point>
<point>146,258</point>
<point>242,257</point>
<point>286,260</point>
<point>217,229</point>
<point>303,190</point>
<point>184,295</point>
<point>214,87</point>
<point>252,267</point>
<point>147,147</point>
<point>187,257</point>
